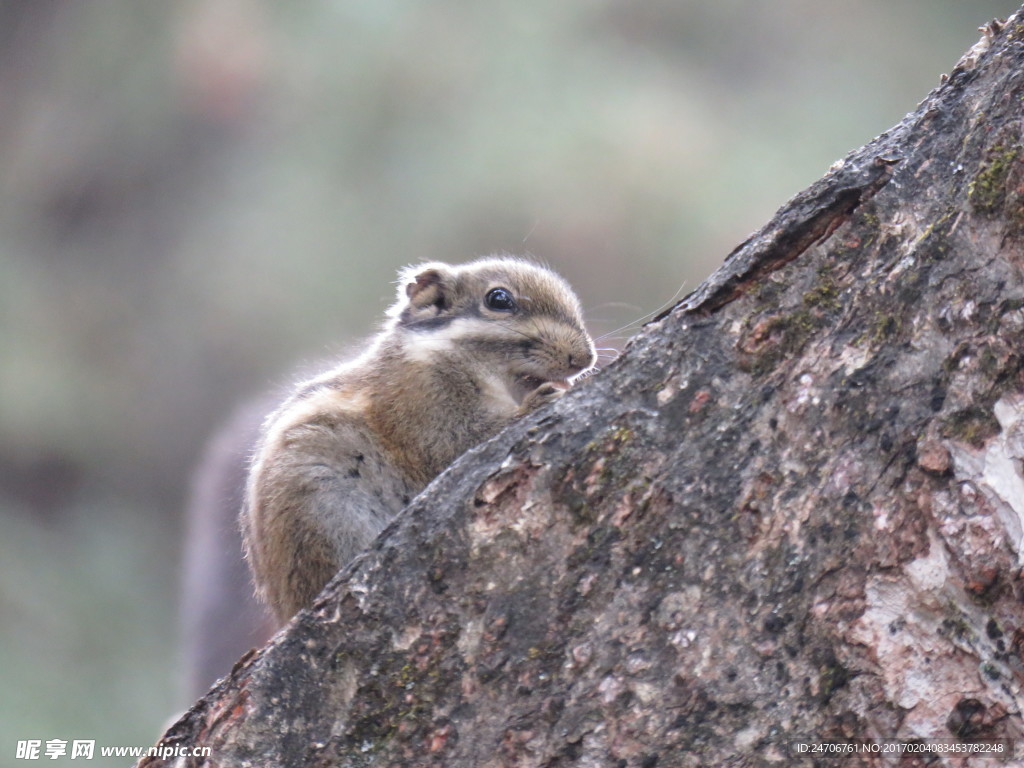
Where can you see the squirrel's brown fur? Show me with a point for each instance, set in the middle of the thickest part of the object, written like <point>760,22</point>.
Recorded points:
<point>466,350</point>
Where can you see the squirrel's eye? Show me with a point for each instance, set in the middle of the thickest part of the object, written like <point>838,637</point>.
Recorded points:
<point>500,300</point>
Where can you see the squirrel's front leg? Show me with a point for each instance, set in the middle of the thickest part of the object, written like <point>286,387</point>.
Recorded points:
<point>547,392</point>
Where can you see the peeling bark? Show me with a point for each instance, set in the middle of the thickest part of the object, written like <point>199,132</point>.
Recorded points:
<point>792,511</point>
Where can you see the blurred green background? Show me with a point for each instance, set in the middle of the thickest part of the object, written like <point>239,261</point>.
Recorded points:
<point>198,197</point>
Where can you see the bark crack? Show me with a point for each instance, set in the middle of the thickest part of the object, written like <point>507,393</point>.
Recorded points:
<point>809,220</point>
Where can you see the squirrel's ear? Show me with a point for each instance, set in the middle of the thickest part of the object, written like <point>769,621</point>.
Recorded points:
<point>424,291</point>
<point>427,289</point>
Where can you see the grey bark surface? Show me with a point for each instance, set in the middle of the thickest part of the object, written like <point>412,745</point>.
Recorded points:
<point>790,512</point>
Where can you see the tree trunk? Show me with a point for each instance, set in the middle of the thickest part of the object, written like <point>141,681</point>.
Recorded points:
<point>789,513</point>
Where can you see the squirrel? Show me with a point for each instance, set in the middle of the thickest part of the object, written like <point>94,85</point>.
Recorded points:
<point>465,351</point>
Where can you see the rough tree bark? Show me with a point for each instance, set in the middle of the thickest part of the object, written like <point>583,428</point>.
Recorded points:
<point>790,512</point>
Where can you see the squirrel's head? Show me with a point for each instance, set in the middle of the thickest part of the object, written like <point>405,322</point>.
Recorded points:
<point>510,314</point>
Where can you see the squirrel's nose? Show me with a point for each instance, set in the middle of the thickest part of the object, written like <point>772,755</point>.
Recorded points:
<point>581,360</point>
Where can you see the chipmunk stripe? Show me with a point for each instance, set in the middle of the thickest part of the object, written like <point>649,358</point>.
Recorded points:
<point>444,339</point>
